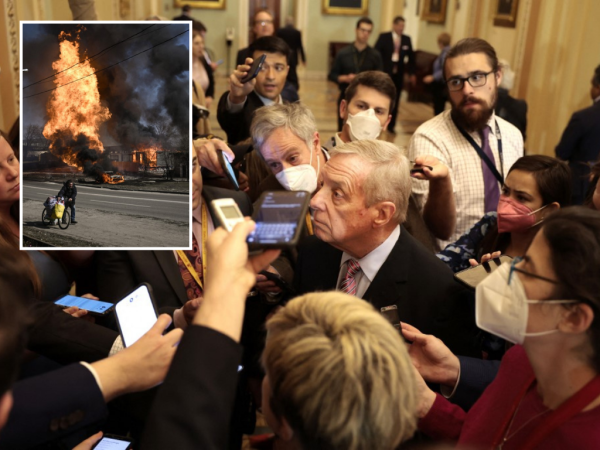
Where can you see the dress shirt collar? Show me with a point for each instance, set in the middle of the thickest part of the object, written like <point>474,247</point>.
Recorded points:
<point>372,261</point>
<point>395,36</point>
<point>268,101</point>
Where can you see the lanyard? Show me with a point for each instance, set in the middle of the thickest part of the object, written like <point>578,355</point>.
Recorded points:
<point>569,408</point>
<point>482,155</point>
<point>309,225</point>
<point>186,260</point>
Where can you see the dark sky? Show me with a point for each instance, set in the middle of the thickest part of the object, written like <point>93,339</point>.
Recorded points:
<point>149,88</point>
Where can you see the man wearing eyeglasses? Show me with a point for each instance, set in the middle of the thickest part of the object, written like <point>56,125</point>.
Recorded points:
<point>477,146</point>
<point>237,106</point>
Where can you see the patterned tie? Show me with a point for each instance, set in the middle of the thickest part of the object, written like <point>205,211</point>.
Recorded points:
<point>492,191</point>
<point>349,282</point>
<point>192,288</point>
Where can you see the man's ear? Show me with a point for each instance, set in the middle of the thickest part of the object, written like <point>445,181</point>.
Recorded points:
<point>343,109</point>
<point>387,122</point>
<point>384,212</point>
<point>498,77</point>
<point>577,320</point>
<point>316,141</point>
<point>6,403</point>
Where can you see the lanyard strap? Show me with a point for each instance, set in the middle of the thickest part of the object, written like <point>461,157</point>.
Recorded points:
<point>186,260</point>
<point>481,153</point>
<point>569,408</point>
<point>309,225</point>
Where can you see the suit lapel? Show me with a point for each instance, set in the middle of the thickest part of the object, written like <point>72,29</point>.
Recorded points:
<point>389,285</point>
<point>167,262</point>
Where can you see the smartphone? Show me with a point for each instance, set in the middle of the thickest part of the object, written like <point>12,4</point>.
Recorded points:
<point>219,62</point>
<point>279,218</point>
<point>280,282</point>
<point>136,314</point>
<point>94,307</point>
<point>228,169</point>
<point>254,69</point>
<point>472,276</point>
<point>228,212</point>
<point>418,168</point>
<point>112,442</point>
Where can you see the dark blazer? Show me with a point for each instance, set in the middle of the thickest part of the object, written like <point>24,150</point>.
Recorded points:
<point>579,145</point>
<point>119,272</point>
<point>193,406</point>
<point>385,46</point>
<point>52,405</point>
<point>513,110</point>
<point>237,126</point>
<point>293,38</point>
<point>412,278</point>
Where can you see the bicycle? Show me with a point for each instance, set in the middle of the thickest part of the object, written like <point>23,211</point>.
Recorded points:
<point>63,223</point>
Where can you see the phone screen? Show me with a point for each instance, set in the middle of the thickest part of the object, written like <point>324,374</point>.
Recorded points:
<point>278,217</point>
<point>108,443</point>
<point>229,169</point>
<point>95,306</point>
<point>136,315</point>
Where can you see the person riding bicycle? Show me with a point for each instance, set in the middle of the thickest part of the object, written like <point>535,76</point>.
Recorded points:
<point>69,193</point>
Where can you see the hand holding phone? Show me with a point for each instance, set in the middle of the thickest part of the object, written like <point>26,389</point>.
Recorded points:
<point>228,169</point>
<point>228,212</point>
<point>94,307</point>
<point>112,442</point>
<point>136,314</point>
<point>254,69</point>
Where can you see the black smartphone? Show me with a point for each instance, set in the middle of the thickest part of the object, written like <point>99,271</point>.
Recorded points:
<point>136,314</point>
<point>113,442</point>
<point>279,217</point>
<point>254,69</point>
<point>228,169</point>
<point>280,282</point>
<point>418,168</point>
<point>94,307</point>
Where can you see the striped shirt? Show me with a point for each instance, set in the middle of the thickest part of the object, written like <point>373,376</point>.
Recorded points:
<point>439,137</point>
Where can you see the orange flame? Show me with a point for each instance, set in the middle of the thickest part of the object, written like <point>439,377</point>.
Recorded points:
<point>75,108</point>
<point>105,178</point>
<point>146,154</point>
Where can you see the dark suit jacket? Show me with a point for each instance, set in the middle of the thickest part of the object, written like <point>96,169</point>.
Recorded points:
<point>385,46</point>
<point>580,144</point>
<point>293,38</point>
<point>237,126</point>
<point>193,406</point>
<point>119,272</point>
<point>52,405</point>
<point>412,278</point>
<point>512,110</point>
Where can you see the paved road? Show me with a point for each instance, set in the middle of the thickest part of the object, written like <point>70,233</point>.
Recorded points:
<point>141,203</point>
<point>111,218</point>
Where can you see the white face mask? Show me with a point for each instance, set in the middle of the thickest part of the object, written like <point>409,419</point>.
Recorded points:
<point>300,178</point>
<point>364,125</point>
<point>501,307</point>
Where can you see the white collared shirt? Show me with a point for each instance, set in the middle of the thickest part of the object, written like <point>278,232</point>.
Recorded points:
<point>439,137</point>
<point>396,38</point>
<point>369,264</point>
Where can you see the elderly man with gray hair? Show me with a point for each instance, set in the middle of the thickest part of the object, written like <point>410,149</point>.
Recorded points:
<point>360,246</point>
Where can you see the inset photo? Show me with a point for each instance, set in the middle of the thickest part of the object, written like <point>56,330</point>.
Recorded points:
<point>105,135</point>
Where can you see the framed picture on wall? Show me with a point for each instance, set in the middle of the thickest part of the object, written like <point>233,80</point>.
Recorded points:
<point>346,7</point>
<point>206,4</point>
<point>505,13</point>
<point>434,11</point>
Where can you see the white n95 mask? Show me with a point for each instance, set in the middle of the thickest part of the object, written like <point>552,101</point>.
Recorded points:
<point>300,178</point>
<point>364,125</point>
<point>502,308</point>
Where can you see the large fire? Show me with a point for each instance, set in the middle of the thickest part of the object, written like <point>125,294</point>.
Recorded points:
<point>146,154</point>
<point>74,109</point>
<point>110,179</point>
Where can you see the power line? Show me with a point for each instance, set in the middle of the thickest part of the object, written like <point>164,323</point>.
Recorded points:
<point>126,59</point>
<point>45,80</point>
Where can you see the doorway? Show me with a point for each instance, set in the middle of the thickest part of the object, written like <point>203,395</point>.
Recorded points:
<point>273,6</point>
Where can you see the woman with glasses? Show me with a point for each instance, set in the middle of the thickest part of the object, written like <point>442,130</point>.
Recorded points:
<point>535,186</point>
<point>547,391</point>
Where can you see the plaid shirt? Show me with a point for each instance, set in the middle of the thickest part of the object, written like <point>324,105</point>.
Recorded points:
<point>439,137</point>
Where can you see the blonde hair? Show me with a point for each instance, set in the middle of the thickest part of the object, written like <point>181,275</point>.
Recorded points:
<point>295,117</point>
<point>340,374</point>
<point>389,178</point>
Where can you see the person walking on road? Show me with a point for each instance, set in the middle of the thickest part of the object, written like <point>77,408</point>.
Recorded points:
<point>69,193</point>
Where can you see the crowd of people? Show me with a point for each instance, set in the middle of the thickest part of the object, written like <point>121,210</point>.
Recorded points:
<point>370,341</point>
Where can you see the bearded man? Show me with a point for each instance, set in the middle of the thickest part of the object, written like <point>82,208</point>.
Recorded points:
<point>477,146</point>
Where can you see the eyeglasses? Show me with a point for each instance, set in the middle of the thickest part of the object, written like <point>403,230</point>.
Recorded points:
<point>476,80</point>
<point>277,67</point>
<point>514,268</point>
<point>263,22</point>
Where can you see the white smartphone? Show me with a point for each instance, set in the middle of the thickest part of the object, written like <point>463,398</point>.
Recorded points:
<point>228,212</point>
<point>136,314</point>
